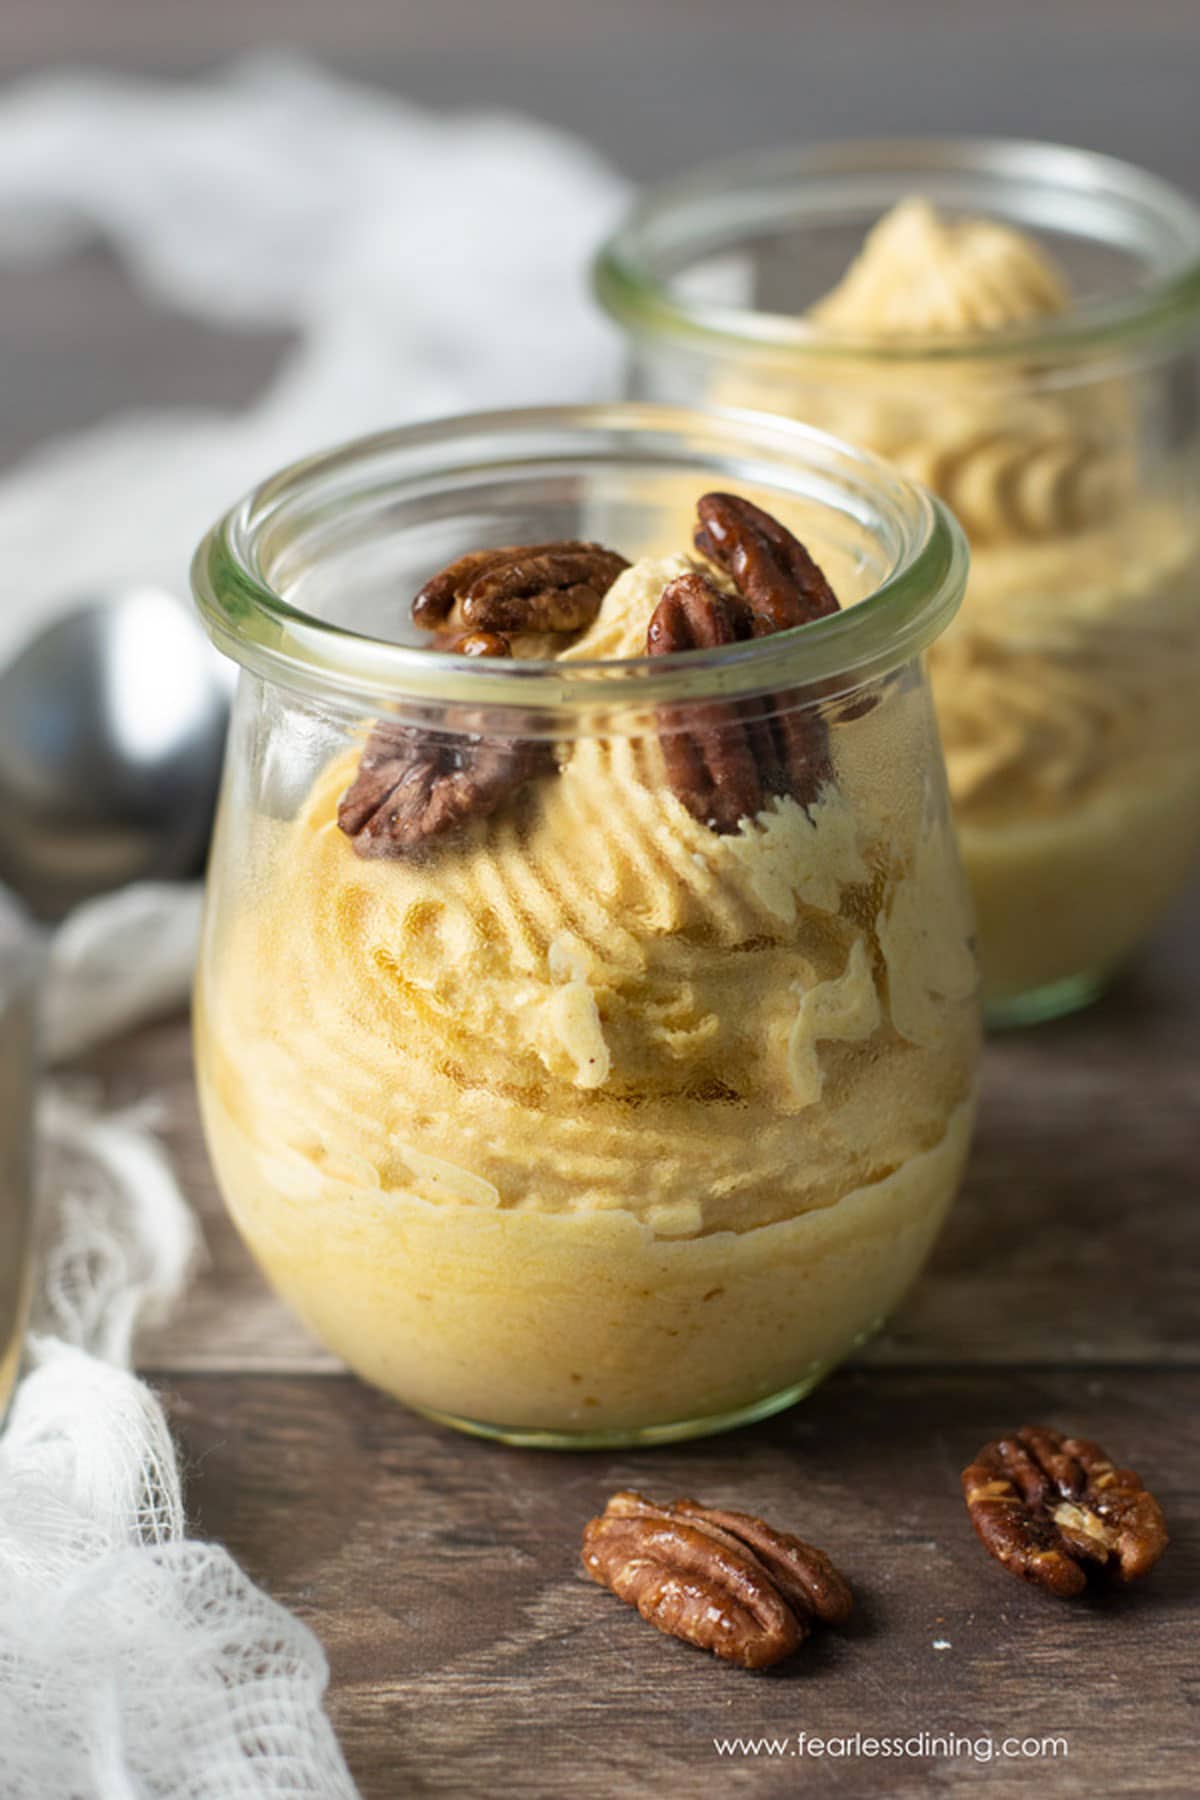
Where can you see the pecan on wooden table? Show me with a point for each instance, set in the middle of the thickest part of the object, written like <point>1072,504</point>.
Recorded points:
<point>724,759</point>
<point>413,786</point>
<point>722,1580</point>
<point>1053,1508</point>
<point>555,587</point>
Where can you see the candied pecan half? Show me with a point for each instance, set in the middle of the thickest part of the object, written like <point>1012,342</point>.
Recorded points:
<point>554,587</point>
<point>770,568</point>
<point>724,1581</point>
<point>413,786</point>
<point>725,759</point>
<point>803,1574</point>
<point>1049,1508</point>
<point>710,762</point>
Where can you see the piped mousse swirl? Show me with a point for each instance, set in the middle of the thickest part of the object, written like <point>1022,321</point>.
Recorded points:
<point>592,969</point>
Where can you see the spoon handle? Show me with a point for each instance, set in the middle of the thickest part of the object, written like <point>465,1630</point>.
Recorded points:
<point>20,971</point>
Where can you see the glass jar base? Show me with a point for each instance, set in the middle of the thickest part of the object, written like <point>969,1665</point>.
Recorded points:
<point>528,1438</point>
<point>1037,1006</point>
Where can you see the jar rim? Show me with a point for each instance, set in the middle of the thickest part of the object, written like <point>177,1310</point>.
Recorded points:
<point>810,181</point>
<point>251,621</point>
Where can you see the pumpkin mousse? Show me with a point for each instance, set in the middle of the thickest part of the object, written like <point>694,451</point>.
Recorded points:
<point>1065,686</point>
<point>591,1117</point>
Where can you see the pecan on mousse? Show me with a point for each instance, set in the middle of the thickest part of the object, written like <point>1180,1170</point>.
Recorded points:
<point>724,762</point>
<point>726,759</point>
<point>771,569</point>
<point>557,587</point>
<point>1053,1509</point>
<point>724,1581</point>
<point>414,786</point>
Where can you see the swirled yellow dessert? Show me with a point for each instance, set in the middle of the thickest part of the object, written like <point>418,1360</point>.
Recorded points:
<point>1065,687</point>
<point>625,1103</point>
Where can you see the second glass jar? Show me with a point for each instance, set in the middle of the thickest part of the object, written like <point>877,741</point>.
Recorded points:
<point>1068,443</point>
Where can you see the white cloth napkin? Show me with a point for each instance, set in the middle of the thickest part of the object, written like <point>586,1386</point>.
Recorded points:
<point>424,265</point>
<point>134,1662</point>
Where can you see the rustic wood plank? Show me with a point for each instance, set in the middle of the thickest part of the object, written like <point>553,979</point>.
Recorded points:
<point>469,1655</point>
<point>1076,1238</point>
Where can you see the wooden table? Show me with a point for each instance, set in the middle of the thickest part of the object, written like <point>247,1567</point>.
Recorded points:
<point>468,1655</point>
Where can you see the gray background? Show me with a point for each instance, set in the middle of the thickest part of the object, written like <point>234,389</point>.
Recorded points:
<point>659,82</point>
<point>656,84</point>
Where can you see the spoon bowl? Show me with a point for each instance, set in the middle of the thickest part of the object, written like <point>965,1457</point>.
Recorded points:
<point>112,730</point>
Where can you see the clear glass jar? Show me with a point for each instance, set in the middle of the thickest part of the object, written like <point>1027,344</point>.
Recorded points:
<point>1066,444</point>
<point>585,1123</point>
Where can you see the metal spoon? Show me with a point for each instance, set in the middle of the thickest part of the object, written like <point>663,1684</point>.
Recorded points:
<point>112,728</point>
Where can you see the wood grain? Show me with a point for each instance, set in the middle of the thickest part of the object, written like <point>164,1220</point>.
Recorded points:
<point>470,1656</point>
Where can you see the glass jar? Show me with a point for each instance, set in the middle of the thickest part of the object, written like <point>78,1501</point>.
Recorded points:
<point>583,1123</point>
<point>1067,444</point>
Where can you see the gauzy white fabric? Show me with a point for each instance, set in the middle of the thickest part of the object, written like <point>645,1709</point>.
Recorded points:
<point>116,961</point>
<point>134,1663</point>
<point>423,265</point>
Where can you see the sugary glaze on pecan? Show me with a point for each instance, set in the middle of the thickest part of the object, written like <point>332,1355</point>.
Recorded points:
<point>413,786</point>
<point>804,1575</point>
<point>725,760</point>
<point>1052,1509</point>
<point>473,643</point>
<point>722,1580</point>
<point>770,568</point>
<point>554,587</point>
